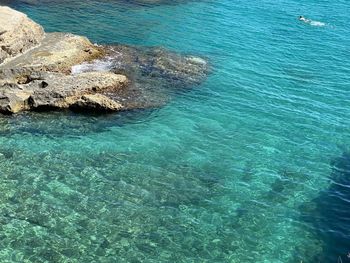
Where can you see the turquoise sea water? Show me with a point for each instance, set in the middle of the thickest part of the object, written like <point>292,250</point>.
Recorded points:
<point>253,165</point>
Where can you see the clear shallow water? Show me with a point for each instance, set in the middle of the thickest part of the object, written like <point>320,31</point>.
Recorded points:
<point>251,166</point>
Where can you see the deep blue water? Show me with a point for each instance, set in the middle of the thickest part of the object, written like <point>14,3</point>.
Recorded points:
<point>253,165</point>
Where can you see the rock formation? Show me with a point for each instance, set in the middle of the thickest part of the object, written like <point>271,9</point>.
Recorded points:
<point>45,71</point>
<point>17,33</point>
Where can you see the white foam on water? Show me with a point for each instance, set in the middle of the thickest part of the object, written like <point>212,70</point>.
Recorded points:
<point>317,23</point>
<point>96,65</point>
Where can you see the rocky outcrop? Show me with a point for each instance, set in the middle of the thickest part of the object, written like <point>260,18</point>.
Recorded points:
<point>57,52</point>
<point>56,90</point>
<point>35,69</point>
<point>17,33</point>
<point>64,71</point>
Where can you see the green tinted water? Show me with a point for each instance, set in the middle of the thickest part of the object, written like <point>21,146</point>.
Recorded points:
<point>239,169</point>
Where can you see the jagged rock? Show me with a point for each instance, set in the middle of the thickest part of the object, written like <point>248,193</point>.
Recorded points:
<point>13,98</point>
<point>56,90</point>
<point>60,91</point>
<point>17,33</point>
<point>96,102</point>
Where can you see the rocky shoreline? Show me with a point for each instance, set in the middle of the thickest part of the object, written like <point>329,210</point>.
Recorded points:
<point>45,71</point>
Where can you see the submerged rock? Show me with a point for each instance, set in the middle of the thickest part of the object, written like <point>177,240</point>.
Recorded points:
<point>179,70</point>
<point>155,74</point>
<point>59,70</point>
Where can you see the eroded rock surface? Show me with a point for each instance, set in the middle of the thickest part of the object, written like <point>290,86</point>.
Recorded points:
<point>57,52</point>
<point>56,90</point>
<point>17,33</point>
<point>96,102</point>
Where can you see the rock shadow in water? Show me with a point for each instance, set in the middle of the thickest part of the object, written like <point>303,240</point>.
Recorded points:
<point>60,124</point>
<point>329,213</point>
<point>284,186</point>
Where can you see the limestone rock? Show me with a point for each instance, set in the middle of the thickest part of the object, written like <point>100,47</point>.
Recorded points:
<point>60,91</point>
<point>13,99</point>
<point>18,33</point>
<point>58,52</point>
<point>96,103</point>
<point>56,91</point>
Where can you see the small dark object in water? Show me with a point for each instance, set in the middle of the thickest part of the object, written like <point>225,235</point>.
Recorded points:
<point>7,153</point>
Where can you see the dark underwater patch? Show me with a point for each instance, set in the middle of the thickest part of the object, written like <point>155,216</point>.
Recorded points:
<point>284,186</point>
<point>156,74</point>
<point>7,153</point>
<point>329,214</point>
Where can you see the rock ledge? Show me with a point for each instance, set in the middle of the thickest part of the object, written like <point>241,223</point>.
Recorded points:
<point>35,69</point>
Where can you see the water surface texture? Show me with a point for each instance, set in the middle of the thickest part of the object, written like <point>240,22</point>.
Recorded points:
<point>253,165</point>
